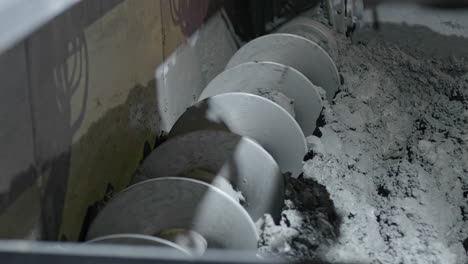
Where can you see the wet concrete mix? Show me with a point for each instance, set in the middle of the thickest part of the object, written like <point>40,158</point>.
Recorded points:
<point>386,178</point>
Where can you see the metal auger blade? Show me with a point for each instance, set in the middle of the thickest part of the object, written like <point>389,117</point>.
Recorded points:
<point>254,77</point>
<point>251,116</point>
<point>209,155</point>
<point>139,240</point>
<point>160,206</point>
<point>312,30</point>
<point>296,52</point>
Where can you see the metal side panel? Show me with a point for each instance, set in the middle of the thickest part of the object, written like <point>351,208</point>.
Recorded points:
<point>19,197</point>
<point>185,72</point>
<point>19,18</point>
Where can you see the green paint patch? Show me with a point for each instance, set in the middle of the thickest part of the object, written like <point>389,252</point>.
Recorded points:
<point>109,153</point>
<point>22,216</point>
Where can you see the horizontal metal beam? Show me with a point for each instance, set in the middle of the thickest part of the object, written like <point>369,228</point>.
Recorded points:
<point>29,252</point>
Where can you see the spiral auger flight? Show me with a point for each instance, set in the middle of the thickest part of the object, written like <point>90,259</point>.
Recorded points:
<point>224,164</point>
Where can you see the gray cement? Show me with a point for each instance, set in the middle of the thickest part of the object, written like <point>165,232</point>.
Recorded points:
<point>386,178</point>
<point>278,97</point>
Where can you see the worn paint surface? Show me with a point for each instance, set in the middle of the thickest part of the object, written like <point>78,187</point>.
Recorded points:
<point>22,215</point>
<point>92,121</point>
<point>108,154</point>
